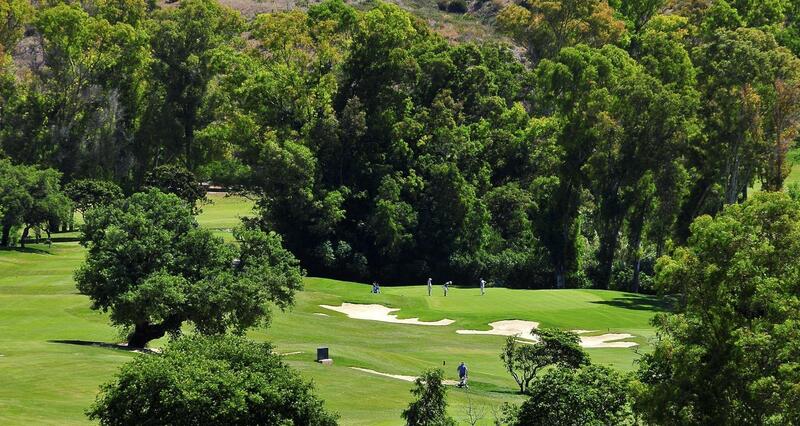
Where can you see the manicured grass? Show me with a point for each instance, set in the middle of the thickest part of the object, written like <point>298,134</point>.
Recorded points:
<point>44,379</point>
<point>224,212</point>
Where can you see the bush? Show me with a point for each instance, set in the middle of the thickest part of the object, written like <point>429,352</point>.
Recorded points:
<point>457,6</point>
<point>591,395</point>
<point>202,381</point>
<point>430,406</point>
<point>442,4</point>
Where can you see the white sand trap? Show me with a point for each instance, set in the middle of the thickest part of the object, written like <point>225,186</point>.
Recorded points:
<point>380,313</point>
<point>290,353</point>
<point>607,341</point>
<point>508,328</point>
<point>321,314</point>
<point>523,329</point>
<point>400,376</point>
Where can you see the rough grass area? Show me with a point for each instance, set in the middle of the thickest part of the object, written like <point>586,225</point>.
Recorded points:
<point>50,366</point>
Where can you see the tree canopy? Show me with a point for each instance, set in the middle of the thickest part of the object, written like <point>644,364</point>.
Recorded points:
<point>375,148</point>
<point>430,406</point>
<point>210,380</point>
<point>153,268</point>
<point>730,354</point>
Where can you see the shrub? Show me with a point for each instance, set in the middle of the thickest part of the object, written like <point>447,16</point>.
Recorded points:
<point>198,380</point>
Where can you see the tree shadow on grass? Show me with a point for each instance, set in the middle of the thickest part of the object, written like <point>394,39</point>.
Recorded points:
<point>117,346</point>
<point>639,303</point>
<point>29,250</point>
<point>65,239</point>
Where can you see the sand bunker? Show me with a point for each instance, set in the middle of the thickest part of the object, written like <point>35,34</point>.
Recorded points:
<point>607,341</point>
<point>400,376</point>
<point>380,313</point>
<point>508,328</point>
<point>321,314</point>
<point>523,329</point>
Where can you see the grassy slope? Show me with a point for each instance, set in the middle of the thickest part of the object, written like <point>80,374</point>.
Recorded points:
<point>43,381</point>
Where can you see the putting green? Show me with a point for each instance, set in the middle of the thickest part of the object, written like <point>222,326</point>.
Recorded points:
<point>48,377</point>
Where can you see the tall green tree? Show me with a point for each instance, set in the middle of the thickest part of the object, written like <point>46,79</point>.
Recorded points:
<point>83,101</point>
<point>183,41</point>
<point>729,355</point>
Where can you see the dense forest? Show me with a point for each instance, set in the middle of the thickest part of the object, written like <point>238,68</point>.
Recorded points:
<point>574,155</point>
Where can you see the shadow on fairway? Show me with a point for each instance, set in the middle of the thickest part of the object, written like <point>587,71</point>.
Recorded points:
<point>117,346</point>
<point>29,250</point>
<point>65,239</point>
<point>639,303</point>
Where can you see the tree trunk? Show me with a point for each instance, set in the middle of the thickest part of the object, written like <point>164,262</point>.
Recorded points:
<point>636,227</point>
<point>606,252</point>
<point>561,278</point>
<point>24,237</point>
<point>144,332</point>
<point>6,236</point>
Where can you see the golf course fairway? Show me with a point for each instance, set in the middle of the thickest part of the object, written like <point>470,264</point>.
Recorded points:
<point>52,361</point>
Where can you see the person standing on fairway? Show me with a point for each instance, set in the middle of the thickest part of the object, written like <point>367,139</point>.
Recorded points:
<point>483,286</point>
<point>462,375</point>
<point>445,286</point>
<point>430,286</point>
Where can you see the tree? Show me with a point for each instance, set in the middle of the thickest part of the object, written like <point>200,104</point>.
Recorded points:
<point>153,268</point>
<point>90,193</point>
<point>183,41</point>
<point>580,87</point>
<point>729,355</point>
<point>783,128</point>
<point>742,135</point>
<point>15,199</point>
<point>209,380</point>
<point>172,179</point>
<point>524,361</point>
<point>590,395</point>
<point>14,14</point>
<point>430,406</point>
<point>546,26</point>
<point>639,12</point>
<point>30,198</point>
<point>50,206</point>
<point>83,101</point>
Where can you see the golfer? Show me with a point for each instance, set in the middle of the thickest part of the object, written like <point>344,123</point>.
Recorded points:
<point>446,286</point>
<point>483,286</point>
<point>462,375</point>
<point>430,286</point>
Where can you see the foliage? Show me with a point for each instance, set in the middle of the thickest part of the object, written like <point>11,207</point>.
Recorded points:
<point>430,406</point>
<point>209,380</point>
<point>14,15</point>
<point>403,156</point>
<point>554,347</point>
<point>30,198</point>
<point>89,193</point>
<point>153,268</point>
<point>730,355</point>
<point>176,180</point>
<point>589,395</point>
<point>545,27</point>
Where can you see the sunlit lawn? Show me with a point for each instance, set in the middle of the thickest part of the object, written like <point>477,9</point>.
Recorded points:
<point>46,379</point>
